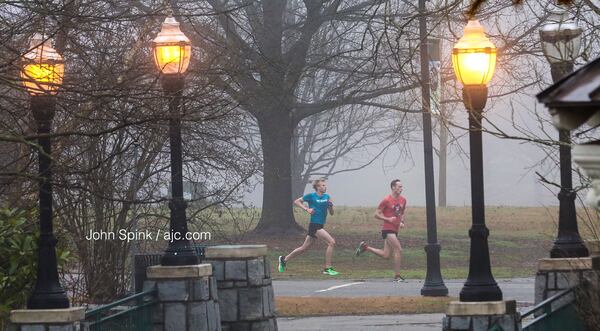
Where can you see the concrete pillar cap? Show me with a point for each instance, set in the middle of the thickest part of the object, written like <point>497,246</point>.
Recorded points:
<point>47,316</point>
<point>567,264</point>
<point>235,251</point>
<point>460,308</point>
<point>180,271</point>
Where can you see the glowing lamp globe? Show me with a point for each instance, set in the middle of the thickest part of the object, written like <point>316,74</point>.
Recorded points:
<point>560,37</point>
<point>474,56</point>
<point>43,68</point>
<point>172,49</point>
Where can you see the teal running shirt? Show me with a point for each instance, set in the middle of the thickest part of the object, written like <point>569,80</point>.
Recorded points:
<point>319,204</point>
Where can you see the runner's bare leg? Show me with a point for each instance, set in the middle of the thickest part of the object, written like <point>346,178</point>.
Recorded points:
<point>384,253</point>
<point>325,236</point>
<point>397,251</point>
<point>307,243</point>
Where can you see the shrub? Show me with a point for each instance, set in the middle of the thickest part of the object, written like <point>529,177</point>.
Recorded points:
<point>587,303</point>
<point>18,259</point>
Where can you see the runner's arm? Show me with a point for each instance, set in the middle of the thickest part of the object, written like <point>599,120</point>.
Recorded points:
<point>300,203</point>
<point>402,219</point>
<point>379,215</point>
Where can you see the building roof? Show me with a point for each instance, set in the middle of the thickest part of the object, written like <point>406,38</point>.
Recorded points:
<point>575,99</point>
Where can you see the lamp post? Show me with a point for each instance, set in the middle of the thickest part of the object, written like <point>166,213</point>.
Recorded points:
<point>474,61</point>
<point>434,283</point>
<point>42,74</point>
<point>561,40</point>
<point>172,52</point>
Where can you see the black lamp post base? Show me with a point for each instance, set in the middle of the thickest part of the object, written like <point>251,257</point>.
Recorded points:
<point>51,299</point>
<point>480,293</point>
<point>180,256</point>
<point>568,242</point>
<point>434,284</point>
<point>571,248</point>
<point>179,252</point>
<point>434,290</point>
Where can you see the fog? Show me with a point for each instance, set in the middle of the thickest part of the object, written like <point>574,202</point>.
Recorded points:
<point>510,166</point>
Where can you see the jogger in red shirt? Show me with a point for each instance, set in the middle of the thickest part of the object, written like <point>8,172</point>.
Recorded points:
<point>391,212</point>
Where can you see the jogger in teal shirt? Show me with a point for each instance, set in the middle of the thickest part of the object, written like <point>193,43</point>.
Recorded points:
<point>319,203</point>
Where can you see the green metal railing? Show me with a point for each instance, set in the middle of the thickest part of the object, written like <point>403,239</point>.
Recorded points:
<point>554,315</point>
<point>132,313</point>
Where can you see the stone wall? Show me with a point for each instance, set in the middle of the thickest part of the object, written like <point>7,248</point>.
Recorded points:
<point>507,322</point>
<point>482,316</point>
<point>243,277</point>
<point>187,298</point>
<point>556,275</point>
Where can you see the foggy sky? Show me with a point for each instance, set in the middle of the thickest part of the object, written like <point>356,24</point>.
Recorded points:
<point>509,169</point>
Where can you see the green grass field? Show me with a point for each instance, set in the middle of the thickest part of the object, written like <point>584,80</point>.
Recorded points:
<point>518,238</point>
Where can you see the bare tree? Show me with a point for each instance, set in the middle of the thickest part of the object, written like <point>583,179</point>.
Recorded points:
<point>110,158</point>
<point>345,140</point>
<point>267,51</point>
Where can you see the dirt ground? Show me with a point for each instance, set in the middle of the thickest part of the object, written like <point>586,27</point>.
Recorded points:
<point>315,306</point>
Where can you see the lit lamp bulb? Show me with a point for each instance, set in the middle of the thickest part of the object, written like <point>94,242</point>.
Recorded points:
<point>474,56</point>
<point>43,68</point>
<point>172,49</point>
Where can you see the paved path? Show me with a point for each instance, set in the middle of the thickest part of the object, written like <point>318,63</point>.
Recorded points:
<point>418,322</point>
<point>520,289</point>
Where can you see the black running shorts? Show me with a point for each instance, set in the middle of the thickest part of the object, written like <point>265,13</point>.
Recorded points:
<point>312,229</point>
<point>384,233</point>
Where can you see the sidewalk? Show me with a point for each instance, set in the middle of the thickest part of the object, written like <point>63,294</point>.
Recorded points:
<point>419,322</point>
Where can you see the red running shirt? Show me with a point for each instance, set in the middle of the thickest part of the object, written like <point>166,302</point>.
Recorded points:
<point>392,208</point>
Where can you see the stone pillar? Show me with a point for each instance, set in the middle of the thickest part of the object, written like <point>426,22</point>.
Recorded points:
<point>187,298</point>
<point>68,319</point>
<point>245,291</point>
<point>559,274</point>
<point>482,316</point>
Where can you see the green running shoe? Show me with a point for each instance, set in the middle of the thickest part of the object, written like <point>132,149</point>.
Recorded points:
<point>399,279</point>
<point>329,271</point>
<point>361,248</point>
<point>281,267</point>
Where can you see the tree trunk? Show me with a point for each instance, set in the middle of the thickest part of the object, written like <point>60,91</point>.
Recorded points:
<point>298,183</point>
<point>277,217</point>
<point>442,163</point>
<point>298,187</point>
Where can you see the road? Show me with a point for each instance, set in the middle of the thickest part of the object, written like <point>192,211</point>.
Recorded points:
<point>520,289</point>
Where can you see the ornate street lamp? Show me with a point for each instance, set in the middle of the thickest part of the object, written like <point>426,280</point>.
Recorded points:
<point>43,68</point>
<point>42,75</point>
<point>561,40</point>
<point>172,49</point>
<point>172,53</point>
<point>474,61</point>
